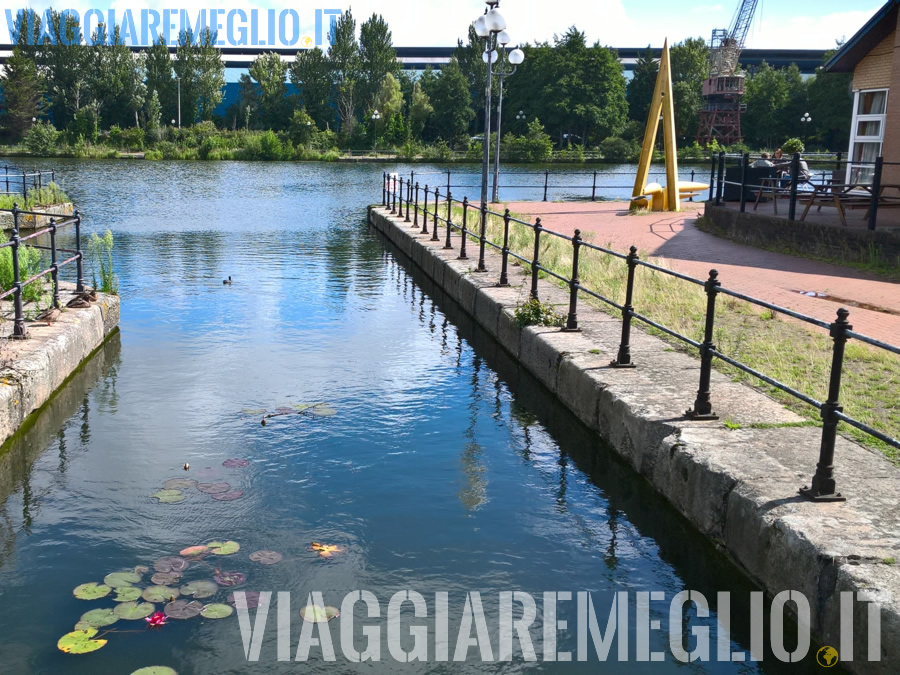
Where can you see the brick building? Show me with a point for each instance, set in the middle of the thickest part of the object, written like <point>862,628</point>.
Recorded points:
<point>873,56</point>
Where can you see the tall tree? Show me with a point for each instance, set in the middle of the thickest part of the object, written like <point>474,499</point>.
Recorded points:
<point>66,68</point>
<point>643,82</point>
<point>161,78</point>
<point>452,112</point>
<point>210,75</point>
<point>831,106</point>
<point>21,93</point>
<point>377,58</point>
<point>270,71</point>
<point>343,55</point>
<point>311,74</point>
<point>117,81</point>
<point>420,109</point>
<point>767,94</point>
<point>469,56</point>
<point>690,67</point>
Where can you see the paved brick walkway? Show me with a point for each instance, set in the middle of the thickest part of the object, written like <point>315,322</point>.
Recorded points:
<point>775,277</point>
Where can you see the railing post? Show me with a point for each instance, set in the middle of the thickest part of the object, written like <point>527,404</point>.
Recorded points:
<point>745,164</point>
<point>691,198</point>
<point>40,177</point>
<point>79,263</point>
<point>546,182</point>
<point>6,173</point>
<point>416,209</point>
<point>876,192</point>
<point>795,169</point>
<point>52,175</point>
<point>19,320</point>
<point>408,197</point>
<point>574,283</point>
<point>384,188</point>
<point>434,225</point>
<point>823,483</point>
<point>482,238</point>
<point>712,176</point>
<point>425,213</point>
<point>448,181</point>
<point>393,194</point>
<point>504,252</point>
<point>594,188</point>
<point>623,358</point>
<point>837,165</point>
<point>535,262</point>
<point>702,407</point>
<point>449,224</point>
<point>24,189</point>
<point>54,269</point>
<point>465,233</point>
<point>721,179</point>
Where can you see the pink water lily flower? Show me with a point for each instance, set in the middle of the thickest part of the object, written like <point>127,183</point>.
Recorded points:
<point>156,620</point>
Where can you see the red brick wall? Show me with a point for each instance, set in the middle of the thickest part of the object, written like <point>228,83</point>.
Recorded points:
<point>891,150</point>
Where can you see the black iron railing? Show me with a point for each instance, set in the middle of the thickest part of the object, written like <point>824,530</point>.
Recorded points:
<point>396,192</point>
<point>16,242</point>
<point>843,184</point>
<point>16,181</point>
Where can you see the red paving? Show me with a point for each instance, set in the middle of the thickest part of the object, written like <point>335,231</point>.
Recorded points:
<point>774,277</point>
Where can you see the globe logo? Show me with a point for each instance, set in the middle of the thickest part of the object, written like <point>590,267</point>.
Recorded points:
<point>827,657</point>
<point>306,41</point>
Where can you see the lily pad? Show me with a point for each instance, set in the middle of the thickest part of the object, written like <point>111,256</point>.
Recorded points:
<point>322,410</point>
<point>182,609</point>
<point>80,642</point>
<point>169,496</point>
<point>217,611</point>
<point>100,617</point>
<point>229,496</point>
<point>266,557</point>
<point>127,594</point>
<point>304,406</point>
<point>200,589</point>
<point>284,410</point>
<point>317,614</point>
<point>235,463</point>
<point>91,591</point>
<point>254,411</point>
<point>194,551</point>
<point>83,625</point>
<point>166,578</point>
<point>213,488</point>
<point>160,593</point>
<point>325,550</point>
<point>250,600</point>
<point>132,611</point>
<point>230,578</point>
<point>141,569</point>
<point>179,484</point>
<point>171,563</point>
<point>224,547</point>
<point>155,670</point>
<point>121,579</point>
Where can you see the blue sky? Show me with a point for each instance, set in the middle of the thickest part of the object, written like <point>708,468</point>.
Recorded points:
<point>799,24</point>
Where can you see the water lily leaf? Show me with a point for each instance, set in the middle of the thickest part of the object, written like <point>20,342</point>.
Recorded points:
<point>91,591</point>
<point>229,496</point>
<point>80,642</point>
<point>323,411</point>
<point>304,406</point>
<point>182,609</point>
<point>200,589</point>
<point>284,410</point>
<point>194,551</point>
<point>249,600</point>
<point>179,484</point>
<point>325,550</point>
<point>254,411</point>
<point>171,563</point>
<point>83,625</point>
<point>266,557</point>
<point>132,611</point>
<point>141,569</point>
<point>100,617</point>
<point>121,579</point>
<point>213,488</point>
<point>160,593</point>
<point>169,496</point>
<point>317,614</point>
<point>217,611</point>
<point>127,594</point>
<point>230,578</point>
<point>166,578</point>
<point>235,463</point>
<point>224,547</point>
<point>155,670</point>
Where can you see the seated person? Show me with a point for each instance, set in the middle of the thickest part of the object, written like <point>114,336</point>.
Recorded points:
<point>803,174</point>
<point>763,162</point>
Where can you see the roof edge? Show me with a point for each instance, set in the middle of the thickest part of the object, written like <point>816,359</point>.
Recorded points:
<point>834,63</point>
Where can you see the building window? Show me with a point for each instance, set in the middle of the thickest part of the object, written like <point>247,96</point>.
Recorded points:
<point>867,134</point>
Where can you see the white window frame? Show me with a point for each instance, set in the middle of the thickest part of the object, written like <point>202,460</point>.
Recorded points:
<point>854,138</point>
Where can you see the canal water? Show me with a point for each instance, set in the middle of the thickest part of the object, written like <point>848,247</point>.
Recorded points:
<point>443,467</point>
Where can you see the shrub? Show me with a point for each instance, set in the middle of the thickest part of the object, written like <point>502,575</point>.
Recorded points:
<point>41,139</point>
<point>85,124</point>
<point>792,145</point>
<point>265,146</point>
<point>302,128</point>
<point>615,149</point>
<point>574,154</point>
<point>695,151</point>
<point>410,150</point>
<point>440,152</point>
<point>129,139</point>
<point>29,265</point>
<point>153,155</point>
<point>536,313</point>
<point>534,146</point>
<point>212,148</point>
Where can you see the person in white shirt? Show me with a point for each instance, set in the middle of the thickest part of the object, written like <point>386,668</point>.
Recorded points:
<point>763,162</point>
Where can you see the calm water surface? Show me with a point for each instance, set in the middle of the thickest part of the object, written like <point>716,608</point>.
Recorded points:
<point>444,469</point>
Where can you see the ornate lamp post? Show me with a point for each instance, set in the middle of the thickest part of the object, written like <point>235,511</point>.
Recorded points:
<point>375,117</point>
<point>514,58</point>
<point>805,120</point>
<point>487,27</point>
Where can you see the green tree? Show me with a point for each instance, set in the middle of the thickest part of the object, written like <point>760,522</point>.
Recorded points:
<point>198,64</point>
<point>161,78</point>
<point>690,67</point>
<point>117,81</point>
<point>831,106</point>
<point>343,55</point>
<point>66,69</point>
<point>270,71</point>
<point>420,109</point>
<point>452,112</point>
<point>767,95</point>
<point>311,74</point>
<point>377,58</point>
<point>640,89</point>
<point>21,95</point>
<point>152,112</point>
<point>389,99</point>
<point>469,56</point>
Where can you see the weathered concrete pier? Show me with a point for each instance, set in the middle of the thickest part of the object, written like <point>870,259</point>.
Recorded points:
<point>739,487</point>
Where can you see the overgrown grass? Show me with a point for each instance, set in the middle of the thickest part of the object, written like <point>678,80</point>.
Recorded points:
<point>104,276</point>
<point>47,195</point>
<point>777,346</point>
<point>30,263</point>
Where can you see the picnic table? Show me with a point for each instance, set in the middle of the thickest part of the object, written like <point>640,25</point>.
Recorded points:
<point>845,196</point>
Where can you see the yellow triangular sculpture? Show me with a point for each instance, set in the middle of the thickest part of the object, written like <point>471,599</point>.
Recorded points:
<point>663,103</point>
